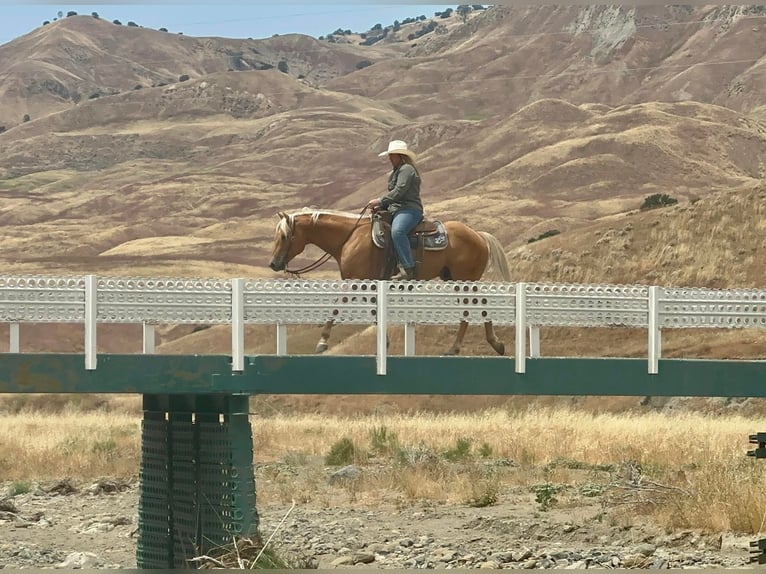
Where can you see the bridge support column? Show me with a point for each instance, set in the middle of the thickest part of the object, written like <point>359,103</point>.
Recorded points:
<point>197,488</point>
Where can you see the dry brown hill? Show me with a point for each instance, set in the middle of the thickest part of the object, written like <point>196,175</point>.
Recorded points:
<point>526,120</point>
<point>509,57</point>
<point>63,64</point>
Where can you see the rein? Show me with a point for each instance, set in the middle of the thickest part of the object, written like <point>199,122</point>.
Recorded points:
<point>326,257</point>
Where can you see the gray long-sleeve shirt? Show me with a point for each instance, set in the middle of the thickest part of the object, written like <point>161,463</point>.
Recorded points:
<point>403,189</point>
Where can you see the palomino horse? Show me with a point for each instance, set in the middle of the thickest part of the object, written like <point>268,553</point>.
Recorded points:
<point>347,237</point>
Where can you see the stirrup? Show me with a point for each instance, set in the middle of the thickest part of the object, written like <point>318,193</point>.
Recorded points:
<point>405,274</point>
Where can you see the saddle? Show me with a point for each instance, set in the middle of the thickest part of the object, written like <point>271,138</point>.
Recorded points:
<point>427,235</point>
<point>430,235</point>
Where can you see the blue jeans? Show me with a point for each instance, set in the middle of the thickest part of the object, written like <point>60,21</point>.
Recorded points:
<point>403,222</point>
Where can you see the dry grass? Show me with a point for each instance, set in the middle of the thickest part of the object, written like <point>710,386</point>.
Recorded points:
<point>684,470</point>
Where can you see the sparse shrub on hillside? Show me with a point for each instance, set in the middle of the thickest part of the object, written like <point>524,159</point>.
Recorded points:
<point>94,95</point>
<point>377,27</point>
<point>363,64</point>
<point>344,452</point>
<point>2,129</point>
<point>283,67</point>
<point>657,200</point>
<point>19,487</point>
<point>46,22</point>
<point>461,450</point>
<point>183,78</point>
<point>137,87</point>
<point>163,29</point>
<point>485,488</point>
<point>485,450</point>
<point>374,39</point>
<point>425,29</point>
<point>95,15</point>
<point>132,24</point>
<point>383,441</point>
<point>477,7</point>
<point>71,13</point>
<point>543,235</point>
<point>463,10</point>
<point>545,495</point>
<point>117,22</point>
<point>26,118</point>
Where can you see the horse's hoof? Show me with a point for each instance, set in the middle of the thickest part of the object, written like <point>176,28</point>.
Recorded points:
<point>499,347</point>
<point>321,348</point>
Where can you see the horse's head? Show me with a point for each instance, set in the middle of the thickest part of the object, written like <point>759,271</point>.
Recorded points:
<point>289,241</point>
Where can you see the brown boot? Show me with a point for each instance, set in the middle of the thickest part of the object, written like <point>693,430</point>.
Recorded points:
<point>405,274</point>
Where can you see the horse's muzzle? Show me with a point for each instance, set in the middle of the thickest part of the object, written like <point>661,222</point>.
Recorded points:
<point>277,265</point>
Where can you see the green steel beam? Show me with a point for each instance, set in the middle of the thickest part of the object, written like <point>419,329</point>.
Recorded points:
<point>310,374</point>
<point>65,373</point>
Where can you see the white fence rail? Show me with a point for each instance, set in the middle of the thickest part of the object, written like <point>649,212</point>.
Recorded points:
<point>527,306</point>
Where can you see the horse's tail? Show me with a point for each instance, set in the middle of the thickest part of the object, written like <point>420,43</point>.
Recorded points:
<point>497,259</point>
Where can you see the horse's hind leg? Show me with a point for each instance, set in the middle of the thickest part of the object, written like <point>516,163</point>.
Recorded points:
<point>324,337</point>
<point>492,339</point>
<point>455,348</point>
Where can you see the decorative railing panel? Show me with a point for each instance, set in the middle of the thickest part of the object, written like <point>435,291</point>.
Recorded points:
<point>42,299</point>
<point>439,303</point>
<point>564,305</point>
<point>307,302</point>
<point>712,308</point>
<point>165,300</point>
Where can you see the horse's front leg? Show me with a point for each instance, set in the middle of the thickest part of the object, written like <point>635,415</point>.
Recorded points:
<point>492,339</point>
<point>324,337</point>
<point>455,348</point>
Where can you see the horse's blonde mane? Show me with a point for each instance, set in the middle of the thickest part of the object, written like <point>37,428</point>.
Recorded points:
<point>288,221</point>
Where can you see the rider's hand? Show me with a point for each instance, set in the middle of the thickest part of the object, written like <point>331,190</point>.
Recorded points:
<point>374,203</point>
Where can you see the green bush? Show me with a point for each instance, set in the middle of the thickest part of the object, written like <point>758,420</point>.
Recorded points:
<point>461,450</point>
<point>383,441</point>
<point>485,450</point>
<point>342,453</point>
<point>19,487</point>
<point>657,200</point>
<point>543,235</point>
<point>485,489</point>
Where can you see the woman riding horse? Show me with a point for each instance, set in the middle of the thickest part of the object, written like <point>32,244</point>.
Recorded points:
<point>403,203</point>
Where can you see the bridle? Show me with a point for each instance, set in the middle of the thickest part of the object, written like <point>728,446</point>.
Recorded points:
<point>324,258</point>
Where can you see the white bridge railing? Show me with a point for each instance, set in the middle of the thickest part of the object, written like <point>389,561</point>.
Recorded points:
<point>527,306</point>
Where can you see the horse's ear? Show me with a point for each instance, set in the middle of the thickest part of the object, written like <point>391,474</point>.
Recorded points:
<point>281,214</point>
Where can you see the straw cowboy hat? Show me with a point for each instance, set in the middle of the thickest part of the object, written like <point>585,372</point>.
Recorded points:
<point>400,147</point>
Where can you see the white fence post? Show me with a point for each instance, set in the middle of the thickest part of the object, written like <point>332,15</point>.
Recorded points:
<point>91,316</point>
<point>149,342</point>
<point>521,328</point>
<point>238,325</point>
<point>534,341</point>
<point>409,339</point>
<point>382,329</point>
<point>15,342</point>
<point>281,339</point>
<point>655,335</point>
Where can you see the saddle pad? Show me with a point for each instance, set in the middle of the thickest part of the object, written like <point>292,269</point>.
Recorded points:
<point>434,241</point>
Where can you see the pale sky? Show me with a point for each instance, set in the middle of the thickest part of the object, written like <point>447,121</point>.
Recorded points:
<point>236,20</point>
